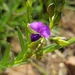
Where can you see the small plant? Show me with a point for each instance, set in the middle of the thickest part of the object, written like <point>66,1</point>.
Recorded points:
<point>37,36</point>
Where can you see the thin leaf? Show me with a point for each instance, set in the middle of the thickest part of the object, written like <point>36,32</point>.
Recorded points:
<point>51,48</point>
<point>71,41</point>
<point>6,55</point>
<point>22,43</point>
<point>12,60</point>
<point>20,55</point>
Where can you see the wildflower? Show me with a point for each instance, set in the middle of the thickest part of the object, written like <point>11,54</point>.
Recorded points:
<point>41,30</point>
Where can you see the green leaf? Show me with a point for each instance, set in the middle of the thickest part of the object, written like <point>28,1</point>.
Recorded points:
<point>51,48</point>
<point>6,55</point>
<point>71,41</point>
<point>12,60</point>
<point>20,55</point>
<point>22,43</point>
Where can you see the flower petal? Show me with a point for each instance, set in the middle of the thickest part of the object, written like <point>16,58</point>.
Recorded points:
<point>45,31</point>
<point>36,26</point>
<point>35,37</point>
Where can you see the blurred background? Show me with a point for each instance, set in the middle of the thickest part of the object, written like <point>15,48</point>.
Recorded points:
<point>13,13</point>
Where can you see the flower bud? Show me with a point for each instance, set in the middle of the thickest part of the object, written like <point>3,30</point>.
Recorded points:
<point>60,41</point>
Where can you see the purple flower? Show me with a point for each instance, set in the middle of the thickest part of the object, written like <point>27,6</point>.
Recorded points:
<point>40,29</point>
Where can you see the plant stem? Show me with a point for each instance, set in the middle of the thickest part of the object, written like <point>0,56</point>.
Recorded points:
<point>39,68</point>
<point>28,19</point>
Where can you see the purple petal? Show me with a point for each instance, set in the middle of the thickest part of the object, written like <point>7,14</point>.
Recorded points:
<point>35,37</point>
<point>36,26</point>
<point>45,31</point>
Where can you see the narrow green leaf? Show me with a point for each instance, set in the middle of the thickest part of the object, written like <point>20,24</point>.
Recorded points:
<point>71,41</point>
<point>12,60</point>
<point>20,55</point>
<point>51,48</point>
<point>22,43</point>
<point>6,55</point>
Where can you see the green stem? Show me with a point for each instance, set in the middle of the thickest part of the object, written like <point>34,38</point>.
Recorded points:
<point>28,19</point>
<point>39,68</point>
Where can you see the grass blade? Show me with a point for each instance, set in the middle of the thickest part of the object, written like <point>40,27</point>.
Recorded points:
<point>6,55</point>
<point>22,43</point>
<point>12,60</point>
